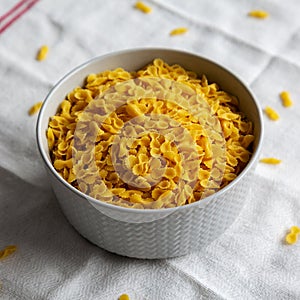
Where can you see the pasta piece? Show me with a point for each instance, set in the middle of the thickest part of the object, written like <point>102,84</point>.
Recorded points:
<point>143,7</point>
<point>178,31</point>
<point>271,113</point>
<point>50,138</point>
<point>270,160</point>
<point>8,250</point>
<point>260,14</point>
<point>124,297</point>
<point>35,108</point>
<point>286,99</point>
<point>42,53</point>
<point>292,237</point>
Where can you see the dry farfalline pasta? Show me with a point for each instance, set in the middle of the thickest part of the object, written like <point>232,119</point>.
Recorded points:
<point>271,113</point>
<point>159,137</point>
<point>35,108</point>
<point>260,14</point>
<point>7,251</point>
<point>124,297</point>
<point>286,99</point>
<point>143,7</point>
<point>178,31</point>
<point>42,53</point>
<point>270,160</point>
<point>292,237</point>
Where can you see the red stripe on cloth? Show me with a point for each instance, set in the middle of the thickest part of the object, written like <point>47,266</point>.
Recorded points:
<point>12,10</point>
<point>27,5</point>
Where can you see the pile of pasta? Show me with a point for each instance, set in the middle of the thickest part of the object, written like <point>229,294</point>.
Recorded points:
<point>154,169</point>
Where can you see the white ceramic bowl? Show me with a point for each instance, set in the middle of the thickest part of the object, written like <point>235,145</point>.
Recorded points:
<point>151,233</point>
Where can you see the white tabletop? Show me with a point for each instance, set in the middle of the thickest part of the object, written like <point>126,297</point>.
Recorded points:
<point>250,260</point>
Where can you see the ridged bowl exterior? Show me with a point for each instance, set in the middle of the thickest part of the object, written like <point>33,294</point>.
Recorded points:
<point>157,233</point>
<point>177,234</point>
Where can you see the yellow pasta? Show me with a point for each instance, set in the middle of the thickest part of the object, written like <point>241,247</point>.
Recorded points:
<point>270,160</point>
<point>143,7</point>
<point>260,14</point>
<point>271,113</point>
<point>35,108</point>
<point>292,236</point>
<point>42,53</point>
<point>126,164</point>
<point>286,99</point>
<point>124,297</point>
<point>179,30</point>
<point>8,250</point>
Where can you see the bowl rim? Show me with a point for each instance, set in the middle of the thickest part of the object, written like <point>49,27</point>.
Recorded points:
<point>195,204</point>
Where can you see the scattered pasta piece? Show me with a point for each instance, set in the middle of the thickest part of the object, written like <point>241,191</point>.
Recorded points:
<point>124,297</point>
<point>271,160</point>
<point>8,250</point>
<point>271,113</point>
<point>143,7</point>
<point>259,14</point>
<point>292,237</point>
<point>179,30</point>
<point>286,99</point>
<point>42,53</point>
<point>35,108</point>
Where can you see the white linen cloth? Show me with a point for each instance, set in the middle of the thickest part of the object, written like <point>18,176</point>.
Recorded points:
<point>250,260</point>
